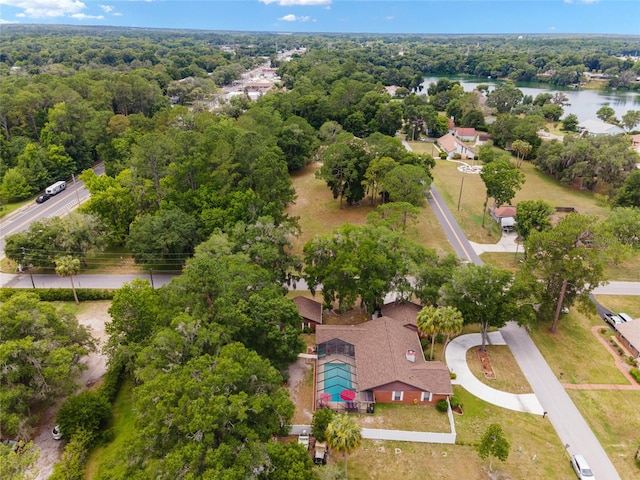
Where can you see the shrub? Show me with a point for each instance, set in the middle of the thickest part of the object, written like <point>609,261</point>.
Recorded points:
<point>60,294</point>
<point>87,412</point>
<point>442,406</point>
<point>453,376</point>
<point>443,155</point>
<point>72,463</point>
<point>321,419</point>
<point>635,373</point>
<point>454,401</point>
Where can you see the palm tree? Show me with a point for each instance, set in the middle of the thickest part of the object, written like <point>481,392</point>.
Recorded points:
<point>344,436</point>
<point>427,321</point>
<point>452,323</point>
<point>522,149</point>
<point>68,266</point>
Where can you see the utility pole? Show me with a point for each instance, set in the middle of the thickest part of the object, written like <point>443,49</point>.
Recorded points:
<point>460,196</point>
<point>76,188</point>
<point>24,258</point>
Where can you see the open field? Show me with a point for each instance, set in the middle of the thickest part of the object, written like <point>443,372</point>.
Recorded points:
<point>537,185</point>
<point>577,356</point>
<point>621,303</point>
<point>614,418</point>
<point>574,353</point>
<point>320,214</point>
<point>535,451</point>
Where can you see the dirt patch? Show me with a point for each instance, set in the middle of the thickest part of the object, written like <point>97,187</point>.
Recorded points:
<point>93,315</point>
<point>485,363</point>
<point>301,390</point>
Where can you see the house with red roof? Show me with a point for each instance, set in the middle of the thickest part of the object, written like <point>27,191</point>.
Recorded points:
<point>451,145</point>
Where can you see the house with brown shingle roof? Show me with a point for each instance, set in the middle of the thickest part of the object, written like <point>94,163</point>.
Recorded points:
<point>310,311</point>
<point>451,145</point>
<point>379,361</point>
<point>628,334</point>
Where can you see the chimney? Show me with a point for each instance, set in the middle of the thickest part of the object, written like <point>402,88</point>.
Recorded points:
<point>411,356</point>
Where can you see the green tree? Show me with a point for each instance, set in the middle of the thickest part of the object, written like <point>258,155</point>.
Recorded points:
<point>629,193</point>
<point>15,186</point>
<point>502,179</point>
<point>166,238</point>
<point>482,294</point>
<point>407,183</point>
<point>88,411</point>
<point>67,266</point>
<point>344,436</point>
<point>18,464</point>
<point>631,119</point>
<point>570,123</point>
<point>504,97</point>
<point>493,444</point>
<point>564,264</point>
<point>376,172</point>
<point>433,272</point>
<point>522,149</point>
<point>134,313</point>
<point>532,215</point>
<point>624,224</point>
<point>433,321</point>
<point>606,114</point>
<point>39,347</point>
<point>322,417</point>
<point>210,417</point>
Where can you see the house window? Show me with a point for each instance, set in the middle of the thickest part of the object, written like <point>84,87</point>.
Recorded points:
<point>397,396</point>
<point>426,397</point>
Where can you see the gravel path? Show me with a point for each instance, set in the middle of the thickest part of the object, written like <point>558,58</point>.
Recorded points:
<point>93,315</point>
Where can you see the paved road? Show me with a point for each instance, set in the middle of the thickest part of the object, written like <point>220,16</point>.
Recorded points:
<point>569,424</point>
<point>562,411</point>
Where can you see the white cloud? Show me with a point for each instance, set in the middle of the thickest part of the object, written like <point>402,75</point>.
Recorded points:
<point>117,14</point>
<point>4,22</point>
<point>82,16</point>
<point>107,8</point>
<point>292,18</point>
<point>291,3</point>
<point>46,8</point>
<point>389,17</point>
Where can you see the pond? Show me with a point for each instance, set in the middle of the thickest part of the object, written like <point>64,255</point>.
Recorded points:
<point>584,102</point>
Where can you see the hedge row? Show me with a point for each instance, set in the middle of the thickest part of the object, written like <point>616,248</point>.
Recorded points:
<point>59,294</point>
<point>635,373</point>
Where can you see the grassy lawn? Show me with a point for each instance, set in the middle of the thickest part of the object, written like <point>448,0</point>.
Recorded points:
<point>535,452</point>
<point>509,377</point>
<point>574,353</point>
<point>448,180</point>
<point>320,214</point>
<point>105,459</point>
<point>614,418</point>
<point>12,207</point>
<point>621,303</point>
<point>419,418</point>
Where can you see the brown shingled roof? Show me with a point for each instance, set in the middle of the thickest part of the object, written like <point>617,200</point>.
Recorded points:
<point>380,348</point>
<point>309,309</point>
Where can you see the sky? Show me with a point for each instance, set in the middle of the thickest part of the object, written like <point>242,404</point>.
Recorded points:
<point>340,16</point>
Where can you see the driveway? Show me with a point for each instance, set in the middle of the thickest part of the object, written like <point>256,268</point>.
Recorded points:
<point>456,355</point>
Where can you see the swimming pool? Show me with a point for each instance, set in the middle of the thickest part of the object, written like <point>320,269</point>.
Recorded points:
<point>337,377</point>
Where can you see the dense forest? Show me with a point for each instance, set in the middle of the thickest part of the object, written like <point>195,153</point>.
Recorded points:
<point>206,190</point>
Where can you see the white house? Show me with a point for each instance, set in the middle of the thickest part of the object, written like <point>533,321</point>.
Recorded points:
<point>597,127</point>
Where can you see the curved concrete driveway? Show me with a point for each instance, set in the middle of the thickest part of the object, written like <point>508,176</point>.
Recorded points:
<point>456,355</point>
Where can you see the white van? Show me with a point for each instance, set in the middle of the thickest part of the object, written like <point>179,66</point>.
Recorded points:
<point>56,188</point>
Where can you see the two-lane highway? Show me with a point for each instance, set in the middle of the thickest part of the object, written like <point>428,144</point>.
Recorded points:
<point>57,206</point>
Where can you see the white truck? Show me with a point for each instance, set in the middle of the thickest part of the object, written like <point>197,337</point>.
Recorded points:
<point>320,453</point>
<point>56,188</point>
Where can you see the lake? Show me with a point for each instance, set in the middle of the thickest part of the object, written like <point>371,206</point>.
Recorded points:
<point>584,102</point>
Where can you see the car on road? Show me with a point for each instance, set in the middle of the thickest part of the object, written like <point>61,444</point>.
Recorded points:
<point>56,433</point>
<point>43,198</point>
<point>612,319</point>
<point>581,467</point>
<point>625,317</point>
